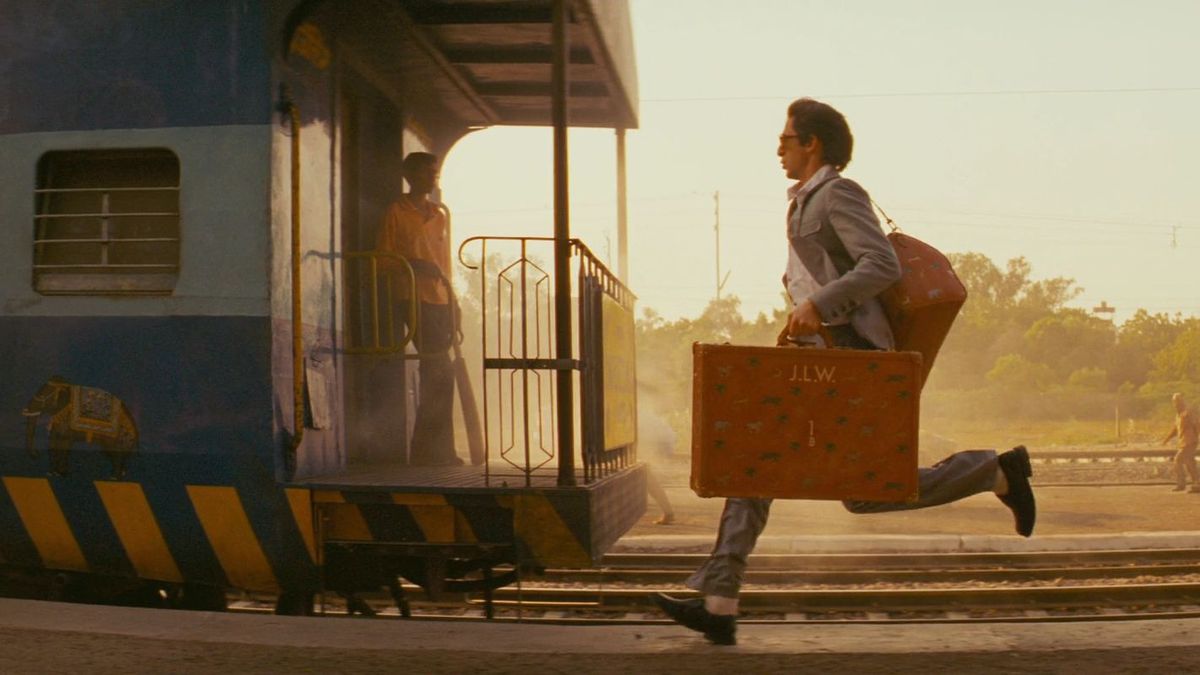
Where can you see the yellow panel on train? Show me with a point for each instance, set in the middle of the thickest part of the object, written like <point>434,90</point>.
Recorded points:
<point>620,374</point>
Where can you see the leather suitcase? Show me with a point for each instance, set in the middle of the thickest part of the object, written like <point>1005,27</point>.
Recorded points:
<point>799,423</point>
<point>921,307</point>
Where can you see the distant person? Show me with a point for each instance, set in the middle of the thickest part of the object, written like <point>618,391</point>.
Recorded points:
<point>1187,428</point>
<point>415,228</point>
<point>838,262</point>
<point>657,439</point>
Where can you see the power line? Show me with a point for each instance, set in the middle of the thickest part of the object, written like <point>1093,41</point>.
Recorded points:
<point>996,214</point>
<point>1099,226</point>
<point>1085,222</point>
<point>930,94</point>
<point>999,228</point>
<point>1031,216</point>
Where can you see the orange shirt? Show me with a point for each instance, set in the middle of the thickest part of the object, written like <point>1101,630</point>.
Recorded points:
<point>417,235</point>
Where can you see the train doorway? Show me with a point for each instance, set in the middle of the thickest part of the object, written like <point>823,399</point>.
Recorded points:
<point>379,382</point>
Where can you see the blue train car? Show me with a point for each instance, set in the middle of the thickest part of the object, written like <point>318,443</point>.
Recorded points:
<point>186,397</point>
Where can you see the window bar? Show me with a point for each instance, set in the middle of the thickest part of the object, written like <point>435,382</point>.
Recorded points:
<point>104,228</point>
<point>44,207</point>
<point>50,208</point>
<point>164,188</point>
<point>113,266</point>
<point>95,240</point>
<point>102,214</point>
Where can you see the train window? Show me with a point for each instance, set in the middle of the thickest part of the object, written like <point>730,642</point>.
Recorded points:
<point>107,222</point>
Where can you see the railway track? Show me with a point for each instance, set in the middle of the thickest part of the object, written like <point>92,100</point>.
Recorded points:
<point>845,588</point>
<point>1102,468</point>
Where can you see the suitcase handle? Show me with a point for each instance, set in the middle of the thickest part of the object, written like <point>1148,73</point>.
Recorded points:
<point>822,332</point>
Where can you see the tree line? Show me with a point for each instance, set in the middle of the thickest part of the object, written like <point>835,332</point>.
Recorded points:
<point>1016,350</point>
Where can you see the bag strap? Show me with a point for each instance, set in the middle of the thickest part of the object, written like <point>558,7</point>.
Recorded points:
<point>886,218</point>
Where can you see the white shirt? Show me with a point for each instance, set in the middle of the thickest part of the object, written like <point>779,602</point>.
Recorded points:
<point>800,283</point>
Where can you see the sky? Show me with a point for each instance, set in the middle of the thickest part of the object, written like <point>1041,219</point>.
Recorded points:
<point>1064,131</point>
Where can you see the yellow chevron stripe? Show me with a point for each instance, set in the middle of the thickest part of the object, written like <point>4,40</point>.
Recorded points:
<point>138,530</point>
<point>538,524</point>
<point>462,529</point>
<point>301,505</point>
<point>433,515</point>
<point>45,522</point>
<point>233,540</point>
<point>343,521</point>
<point>436,523</point>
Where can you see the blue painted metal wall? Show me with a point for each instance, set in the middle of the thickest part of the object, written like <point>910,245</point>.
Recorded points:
<point>192,384</point>
<point>199,392</point>
<point>122,64</point>
<point>195,370</point>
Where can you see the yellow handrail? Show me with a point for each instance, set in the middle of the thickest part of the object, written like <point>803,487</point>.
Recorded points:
<point>414,317</point>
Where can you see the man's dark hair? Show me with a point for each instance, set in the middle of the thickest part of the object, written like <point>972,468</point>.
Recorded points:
<point>418,160</point>
<point>813,118</point>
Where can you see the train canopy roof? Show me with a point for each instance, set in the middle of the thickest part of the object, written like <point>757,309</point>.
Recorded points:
<point>488,62</point>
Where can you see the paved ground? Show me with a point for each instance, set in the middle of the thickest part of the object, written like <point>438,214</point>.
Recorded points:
<point>47,637</point>
<point>38,637</point>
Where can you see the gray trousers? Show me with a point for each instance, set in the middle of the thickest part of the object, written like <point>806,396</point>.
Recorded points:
<point>959,475</point>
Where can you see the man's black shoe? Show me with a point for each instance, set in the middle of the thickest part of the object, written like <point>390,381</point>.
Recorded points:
<point>1019,498</point>
<point>719,629</point>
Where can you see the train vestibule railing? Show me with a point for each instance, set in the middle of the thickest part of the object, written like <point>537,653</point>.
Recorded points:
<point>376,281</point>
<point>514,298</point>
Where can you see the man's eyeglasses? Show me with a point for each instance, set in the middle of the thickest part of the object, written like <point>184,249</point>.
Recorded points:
<point>783,138</point>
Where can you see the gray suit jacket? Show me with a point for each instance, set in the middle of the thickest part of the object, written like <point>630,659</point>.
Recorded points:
<point>840,242</point>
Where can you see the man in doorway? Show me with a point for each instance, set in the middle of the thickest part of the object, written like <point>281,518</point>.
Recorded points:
<point>415,228</point>
<point>838,262</point>
<point>1188,431</point>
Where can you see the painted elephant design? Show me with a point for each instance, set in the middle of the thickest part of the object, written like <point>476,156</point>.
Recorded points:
<point>78,413</point>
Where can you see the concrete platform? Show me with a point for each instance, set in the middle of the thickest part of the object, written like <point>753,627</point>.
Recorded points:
<point>39,637</point>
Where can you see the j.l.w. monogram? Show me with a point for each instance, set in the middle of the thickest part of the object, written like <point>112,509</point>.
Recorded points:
<point>812,373</point>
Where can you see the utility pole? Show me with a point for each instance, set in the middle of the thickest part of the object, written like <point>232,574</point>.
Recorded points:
<point>717,231</point>
<point>1105,308</point>
<point>560,49</point>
